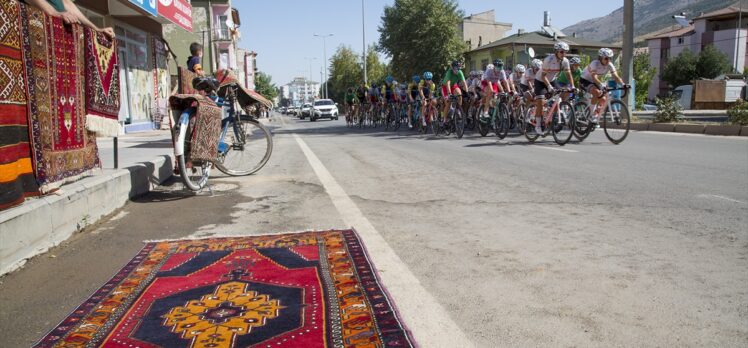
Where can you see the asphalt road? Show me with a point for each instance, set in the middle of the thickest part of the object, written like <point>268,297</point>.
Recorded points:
<point>641,244</point>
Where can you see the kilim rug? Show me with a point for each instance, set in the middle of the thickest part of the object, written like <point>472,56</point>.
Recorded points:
<point>312,289</point>
<point>102,84</point>
<point>205,125</point>
<point>16,174</point>
<point>62,149</point>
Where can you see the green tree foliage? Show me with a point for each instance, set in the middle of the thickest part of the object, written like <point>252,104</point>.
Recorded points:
<point>643,74</point>
<point>712,63</point>
<point>681,70</point>
<point>421,35</point>
<point>264,85</point>
<point>346,70</point>
<point>376,70</point>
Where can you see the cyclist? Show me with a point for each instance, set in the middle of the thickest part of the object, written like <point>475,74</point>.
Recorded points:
<point>413,95</point>
<point>374,96</point>
<point>576,72</point>
<point>362,91</point>
<point>546,76</point>
<point>590,80</point>
<point>517,77</point>
<point>350,96</point>
<point>427,91</point>
<point>388,92</point>
<point>528,81</point>
<point>493,83</point>
<point>453,81</point>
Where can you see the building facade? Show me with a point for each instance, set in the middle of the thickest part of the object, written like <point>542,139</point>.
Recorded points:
<point>482,29</point>
<point>300,91</point>
<point>718,28</point>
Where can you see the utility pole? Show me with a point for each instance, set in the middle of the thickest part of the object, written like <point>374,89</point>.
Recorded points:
<point>324,54</point>
<point>737,38</point>
<point>628,49</point>
<point>363,34</point>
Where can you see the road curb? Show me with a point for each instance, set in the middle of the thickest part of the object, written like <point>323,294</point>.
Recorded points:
<point>40,224</point>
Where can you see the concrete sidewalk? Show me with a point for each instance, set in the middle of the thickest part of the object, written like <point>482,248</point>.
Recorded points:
<point>145,161</point>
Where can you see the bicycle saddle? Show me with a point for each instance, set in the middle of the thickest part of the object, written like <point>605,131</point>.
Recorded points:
<point>205,84</point>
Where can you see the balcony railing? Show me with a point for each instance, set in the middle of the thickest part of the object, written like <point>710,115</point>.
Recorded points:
<point>222,34</point>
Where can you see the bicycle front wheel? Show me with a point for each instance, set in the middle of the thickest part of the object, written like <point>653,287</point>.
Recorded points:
<point>194,174</point>
<point>583,125</point>
<point>616,121</point>
<point>562,124</point>
<point>246,148</point>
<point>459,122</point>
<point>502,122</point>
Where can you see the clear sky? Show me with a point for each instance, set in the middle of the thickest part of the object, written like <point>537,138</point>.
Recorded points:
<point>281,31</point>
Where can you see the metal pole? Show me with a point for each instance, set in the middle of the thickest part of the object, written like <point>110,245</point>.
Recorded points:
<point>116,154</point>
<point>737,37</point>
<point>628,47</point>
<point>324,64</point>
<point>363,34</point>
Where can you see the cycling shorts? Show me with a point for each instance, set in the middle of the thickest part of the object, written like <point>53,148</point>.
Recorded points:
<point>446,94</point>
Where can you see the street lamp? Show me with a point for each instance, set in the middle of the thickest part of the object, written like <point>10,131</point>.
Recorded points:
<point>324,53</point>
<point>363,35</point>
<point>306,89</point>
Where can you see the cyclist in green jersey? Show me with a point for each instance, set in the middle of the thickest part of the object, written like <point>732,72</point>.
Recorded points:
<point>453,84</point>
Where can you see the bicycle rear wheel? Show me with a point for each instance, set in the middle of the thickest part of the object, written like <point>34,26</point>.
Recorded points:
<point>194,174</point>
<point>529,123</point>
<point>562,124</point>
<point>483,122</point>
<point>616,121</point>
<point>249,145</point>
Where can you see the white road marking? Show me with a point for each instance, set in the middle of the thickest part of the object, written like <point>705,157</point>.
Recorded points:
<point>428,321</point>
<point>721,197</point>
<point>553,148</point>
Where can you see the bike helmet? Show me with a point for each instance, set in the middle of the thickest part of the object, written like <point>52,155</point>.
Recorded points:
<point>498,62</point>
<point>561,46</point>
<point>456,64</point>
<point>575,60</point>
<point>490,67</point>
<point>519,68</point>
<point>416,78</point>
<point>605,53</point>
<point>536,64</point>
<point>428,76</point>
<point>389,79</point>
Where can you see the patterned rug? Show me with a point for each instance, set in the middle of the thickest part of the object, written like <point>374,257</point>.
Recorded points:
<point>102,84</point>
<point>205,125</point>
<point>16,174</point>
<point>312,289</point>
<point>62,149</point>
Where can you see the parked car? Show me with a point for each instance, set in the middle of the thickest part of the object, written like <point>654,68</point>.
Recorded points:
<point>305,111</point>
<point>324,108</point>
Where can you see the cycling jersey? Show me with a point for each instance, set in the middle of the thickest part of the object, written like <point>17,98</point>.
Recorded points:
<point>387,90</point>
<point>495,75</point>
<point>413,89</point>
<point>453,78</point>
<point>551,67</point>
<point>361,91</point>
<point>428,87</point>
<point>350,96</point>
<point>529,77</point>
<point>576,74</point>
<point>599,69</point>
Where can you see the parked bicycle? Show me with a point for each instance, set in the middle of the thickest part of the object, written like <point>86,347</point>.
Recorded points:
<point>244,144</point>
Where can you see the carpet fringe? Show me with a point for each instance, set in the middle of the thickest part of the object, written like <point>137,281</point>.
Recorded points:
<point>102,126</point>
<point>245,236</point>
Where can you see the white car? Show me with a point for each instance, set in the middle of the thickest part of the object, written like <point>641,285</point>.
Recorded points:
<point>304,111</point>
<point>324,108</point>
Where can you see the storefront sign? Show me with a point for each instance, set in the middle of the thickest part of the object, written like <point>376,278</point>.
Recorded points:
<point>147,5</point>
<point>178,12</point>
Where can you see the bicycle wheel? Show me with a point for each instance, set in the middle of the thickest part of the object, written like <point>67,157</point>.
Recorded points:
<point>562,123</point>
<point>483,122</point>
<point>194,174</point>
<point>529,130</point>
<point>396,121</point>
<point>616,121</point>
<point>248,147</point>
<point>458,120</point>
<point>503,121</point>
<point>519,118</point>
<point>582,123</point>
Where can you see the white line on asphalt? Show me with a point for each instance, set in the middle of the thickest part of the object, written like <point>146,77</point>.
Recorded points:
<point>425,317</point>
<point>731,137</point>
<point>553,148</point>
<point>721,197</point>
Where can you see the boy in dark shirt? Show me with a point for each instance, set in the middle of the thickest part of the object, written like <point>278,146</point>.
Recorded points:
<point>193,62</point>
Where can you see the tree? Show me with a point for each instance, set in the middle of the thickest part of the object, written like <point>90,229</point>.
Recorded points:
<point>681,70</point>
<point>345,71</point>
<point>421,35</point>
<point>376,71</point>
<point>643,74</point>
<point>264,85</point>
<point>712,63</point>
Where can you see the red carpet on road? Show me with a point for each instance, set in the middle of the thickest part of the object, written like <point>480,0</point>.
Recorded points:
<point>311,289</point>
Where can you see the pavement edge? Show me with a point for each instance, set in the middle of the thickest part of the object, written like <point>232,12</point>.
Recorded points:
<point>40,224</point>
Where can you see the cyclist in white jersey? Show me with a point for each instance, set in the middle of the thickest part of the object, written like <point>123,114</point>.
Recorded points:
<point>517,77</point>
<point>492,82</point>
<point>590,80</point>
<point>552,66</point>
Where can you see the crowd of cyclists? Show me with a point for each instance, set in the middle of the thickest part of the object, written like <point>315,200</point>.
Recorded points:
<point>497,99</point>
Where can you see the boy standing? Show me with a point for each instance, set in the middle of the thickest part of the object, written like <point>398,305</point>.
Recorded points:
<point>194,61</point>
